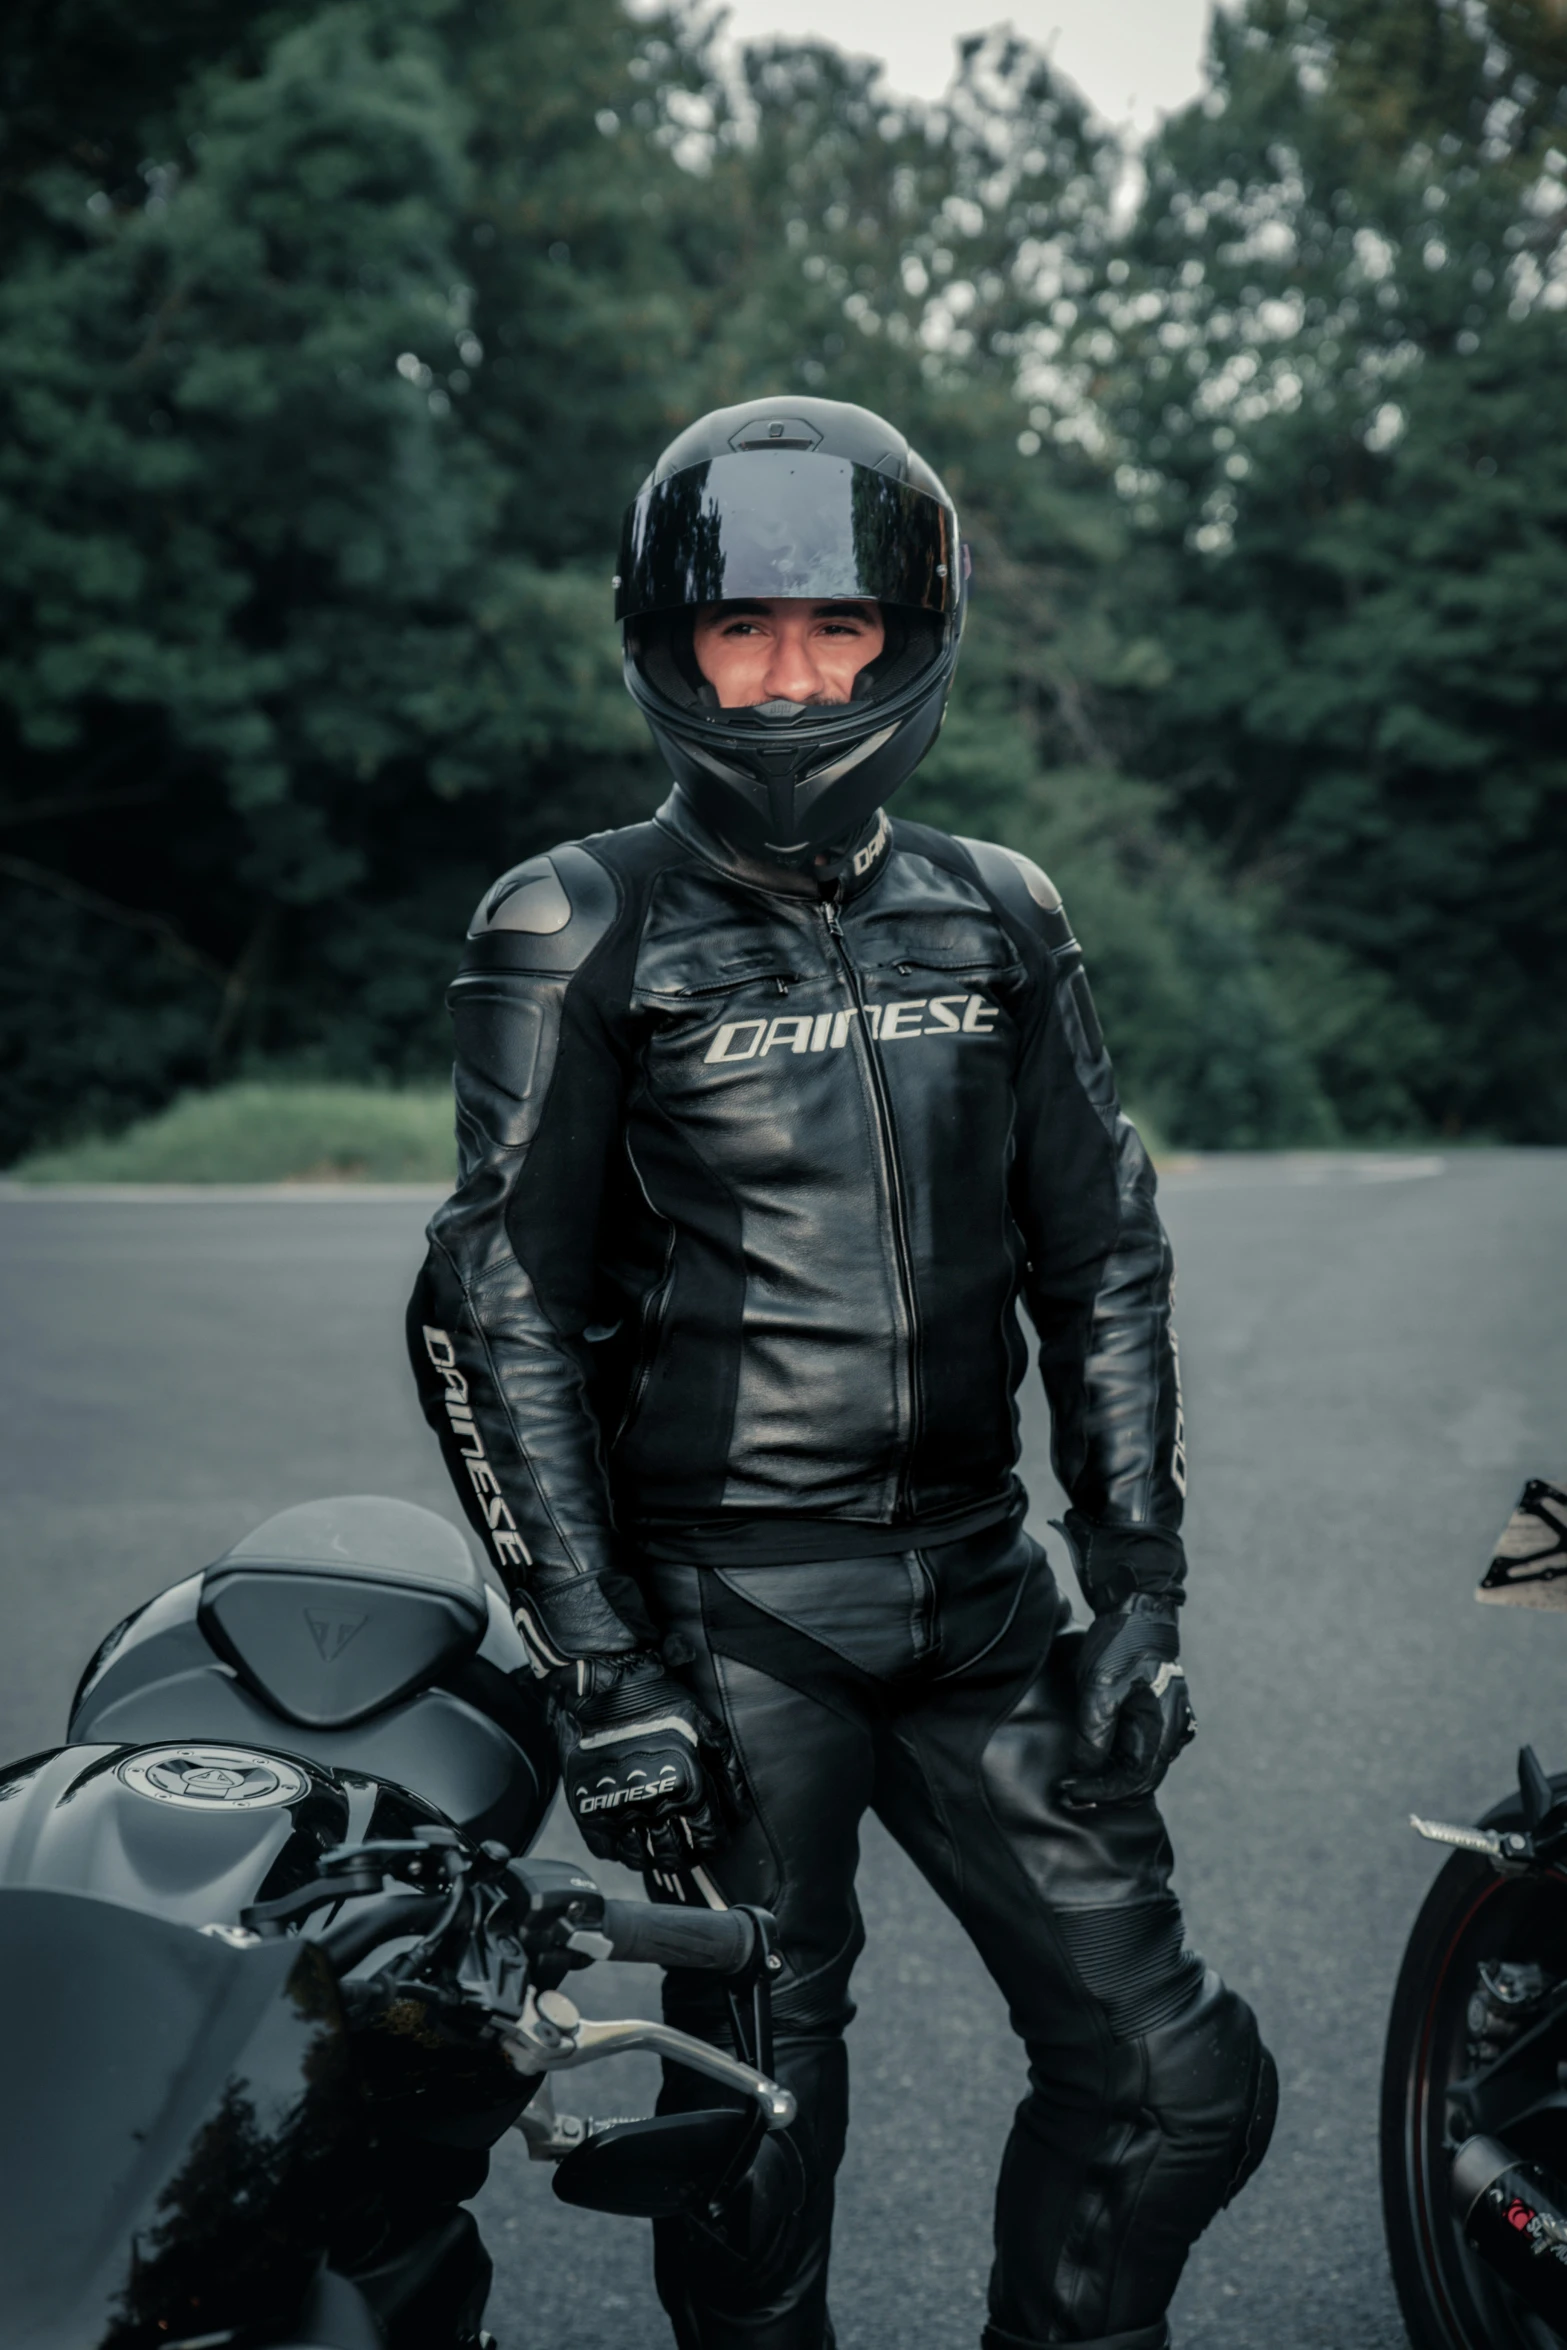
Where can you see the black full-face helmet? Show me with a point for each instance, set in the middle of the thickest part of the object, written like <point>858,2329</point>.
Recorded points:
<point>804,498</point>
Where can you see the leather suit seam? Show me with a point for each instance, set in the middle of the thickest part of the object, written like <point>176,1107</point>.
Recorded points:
<point>924,1613</point>
<point>655,1302</point>
<point>1023,936</point>
<point>1105,2040</point>
<point>939,1809</point>
<point>1139,1498</point>
<point>1077,2248</point>
<point>652,1309</point>
<point>643,1091</point>
<point>731,1713</point>
<point>817,1637</point>
<point>933,1793</point>
<point>1150,1379</point>
<point>818,1974</point>
<point>1126,2131</point>
<point>1162,2137</point>
<point>969,1662</point>
<point>1106,2044</point>
<point>1034,1899</point>
<point>622,901</point>
<point>781,1874</point>
<point>647,1093</point>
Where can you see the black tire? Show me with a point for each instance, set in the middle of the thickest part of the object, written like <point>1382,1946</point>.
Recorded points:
<point>1450,2299</point>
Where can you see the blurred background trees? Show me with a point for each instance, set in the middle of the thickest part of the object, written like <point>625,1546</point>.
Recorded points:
<point>334,338</point>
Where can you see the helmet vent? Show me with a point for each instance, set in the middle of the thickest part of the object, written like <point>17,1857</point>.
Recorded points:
<point>776,432</point>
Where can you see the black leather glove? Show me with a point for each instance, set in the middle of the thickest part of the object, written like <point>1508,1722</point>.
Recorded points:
<point>1133,1711</point>
<point>651,1779</point>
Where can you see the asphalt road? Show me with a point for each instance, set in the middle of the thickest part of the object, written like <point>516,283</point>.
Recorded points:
<point>1375,1355</point>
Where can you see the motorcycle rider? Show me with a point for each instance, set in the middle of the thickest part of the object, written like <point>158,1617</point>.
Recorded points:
<point>769,1112</point>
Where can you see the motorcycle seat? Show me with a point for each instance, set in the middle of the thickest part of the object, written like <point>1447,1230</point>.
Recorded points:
<point>333,1610</point>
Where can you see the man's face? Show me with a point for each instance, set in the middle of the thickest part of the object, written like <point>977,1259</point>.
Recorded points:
<point>785,649</point>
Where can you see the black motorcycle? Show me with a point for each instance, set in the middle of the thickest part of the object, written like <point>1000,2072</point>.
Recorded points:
<point>1474,2086</point>
<point>275,1975</point>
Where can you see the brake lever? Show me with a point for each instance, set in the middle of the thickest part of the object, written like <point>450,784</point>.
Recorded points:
<point>551,2036</point>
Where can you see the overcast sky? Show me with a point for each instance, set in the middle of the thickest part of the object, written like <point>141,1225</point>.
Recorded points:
<point>1134,59</point>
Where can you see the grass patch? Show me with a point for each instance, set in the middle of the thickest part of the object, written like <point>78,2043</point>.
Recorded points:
<point>258,1132</point>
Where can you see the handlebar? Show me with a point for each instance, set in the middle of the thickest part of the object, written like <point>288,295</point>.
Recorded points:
<point>569,1916</point>
<point>718,1941</point>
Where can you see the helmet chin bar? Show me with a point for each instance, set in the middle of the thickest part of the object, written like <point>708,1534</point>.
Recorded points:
<point>788,806</point>
<point>823,778</point>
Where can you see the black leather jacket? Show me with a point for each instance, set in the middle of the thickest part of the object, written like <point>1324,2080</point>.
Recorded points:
<point>749,1186</point>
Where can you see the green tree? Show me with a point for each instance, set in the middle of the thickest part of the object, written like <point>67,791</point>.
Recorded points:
<point>1329,354</point>
<point>273,601</point>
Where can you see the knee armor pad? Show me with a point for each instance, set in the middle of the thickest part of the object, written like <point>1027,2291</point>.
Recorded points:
<point>1205,2073</point>
<point>1214,2087</point>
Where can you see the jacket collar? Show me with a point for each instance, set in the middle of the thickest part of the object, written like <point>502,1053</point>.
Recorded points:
<point>856,873</point>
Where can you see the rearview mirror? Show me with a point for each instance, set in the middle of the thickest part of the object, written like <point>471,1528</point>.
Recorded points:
<point>654,2169</point>
<point>1530,1566</point>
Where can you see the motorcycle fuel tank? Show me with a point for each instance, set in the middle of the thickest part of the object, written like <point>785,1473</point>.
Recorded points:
<point>192,1831</point>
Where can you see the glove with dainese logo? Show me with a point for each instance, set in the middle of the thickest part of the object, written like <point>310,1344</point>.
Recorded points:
<point>650,1778</point>
<point>1133,1711</point>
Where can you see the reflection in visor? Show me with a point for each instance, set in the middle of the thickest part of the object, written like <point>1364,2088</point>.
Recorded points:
<point>771,524</point>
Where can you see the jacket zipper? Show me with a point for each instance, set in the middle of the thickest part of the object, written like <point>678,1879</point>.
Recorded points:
<point>892,1177</point>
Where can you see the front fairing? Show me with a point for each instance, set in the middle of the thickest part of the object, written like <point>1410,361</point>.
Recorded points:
<point>172,2106</point>
<point>170,2099</point>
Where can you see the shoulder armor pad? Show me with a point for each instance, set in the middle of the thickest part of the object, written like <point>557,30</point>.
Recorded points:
<point>1026,891</point>
<point>546,915</point>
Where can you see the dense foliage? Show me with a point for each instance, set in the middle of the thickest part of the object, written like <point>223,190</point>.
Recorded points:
<point>334,336</point>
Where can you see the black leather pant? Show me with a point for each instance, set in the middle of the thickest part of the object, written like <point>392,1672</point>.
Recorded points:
<point>937,1690</point>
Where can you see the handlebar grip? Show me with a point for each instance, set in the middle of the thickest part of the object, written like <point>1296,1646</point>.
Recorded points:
<point>720,1941</point>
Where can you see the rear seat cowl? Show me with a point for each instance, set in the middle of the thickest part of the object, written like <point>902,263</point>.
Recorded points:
<point>334,1609</point>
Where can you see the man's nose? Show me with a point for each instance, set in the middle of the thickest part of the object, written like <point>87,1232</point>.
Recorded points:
<point>792,674</point>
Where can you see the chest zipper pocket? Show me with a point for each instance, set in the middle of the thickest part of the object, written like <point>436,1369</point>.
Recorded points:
<point>960,967</point>
<point>781,980</point>
<point>671,999</point>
